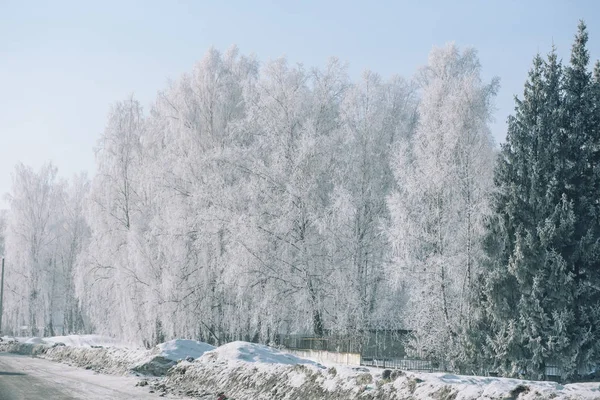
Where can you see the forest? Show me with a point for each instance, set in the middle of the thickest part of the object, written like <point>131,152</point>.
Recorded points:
<point>253,199</point>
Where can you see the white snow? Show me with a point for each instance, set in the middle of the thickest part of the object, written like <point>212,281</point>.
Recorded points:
<point>276,374</point>
<point>35,340</point>
<point>180,349</point>
<point>78,383</point>
<point>230,367</point>
<point>87,341</point>
<point>257,353</point>
<point>74,341</point>
<point>297,379</point>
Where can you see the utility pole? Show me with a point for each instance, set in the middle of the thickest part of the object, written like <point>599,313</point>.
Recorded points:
<point>1,295</point>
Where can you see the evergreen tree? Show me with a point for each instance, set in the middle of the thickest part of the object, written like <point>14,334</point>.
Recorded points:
<point>580,185</point>
<point>540,297</point>
<point>513,282</point>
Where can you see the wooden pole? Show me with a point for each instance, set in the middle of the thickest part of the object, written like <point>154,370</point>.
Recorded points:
<point>1,295</point>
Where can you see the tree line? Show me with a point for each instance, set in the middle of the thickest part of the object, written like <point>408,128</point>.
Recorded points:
<point>252,200</point>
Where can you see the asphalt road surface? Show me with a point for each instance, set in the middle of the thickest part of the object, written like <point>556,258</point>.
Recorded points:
<point>27,378</point>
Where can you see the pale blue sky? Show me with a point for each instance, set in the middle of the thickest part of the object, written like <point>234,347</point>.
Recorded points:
<point>62,63</point>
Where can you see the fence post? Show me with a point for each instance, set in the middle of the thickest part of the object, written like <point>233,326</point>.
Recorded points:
<point>2,296</point>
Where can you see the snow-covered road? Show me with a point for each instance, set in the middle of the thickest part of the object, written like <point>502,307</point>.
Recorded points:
<point>27,378</point>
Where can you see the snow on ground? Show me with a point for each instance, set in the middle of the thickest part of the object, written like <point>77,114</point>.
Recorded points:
<point>72,383</point>
<point>180,349</point>
<point>252,371</point>
<point>76,341</point>
<point>257,353</point>
<point>34,340</point>
<point>88,341</point>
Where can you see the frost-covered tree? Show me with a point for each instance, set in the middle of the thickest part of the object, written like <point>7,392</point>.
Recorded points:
<point>37,276</point>
<point>374,116</point>
<point>578,180</point>
<point>290,154</point>
<point>541,298</point>
<point>3,221</point>
<point>443,177</point>
<point>30,236</point>
<point>581,184</point>
<point>110,281</point>
<point>524,262</point>
<point>198,124</point>
<point>248,202</point>
<point>74,237</point>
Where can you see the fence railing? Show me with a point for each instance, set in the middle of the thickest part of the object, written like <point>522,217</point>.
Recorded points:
<point>384,351</point>
<point>335,344</point>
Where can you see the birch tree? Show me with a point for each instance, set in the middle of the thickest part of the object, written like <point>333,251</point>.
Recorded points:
<point>374,115</point>
<point>32,235</point>
<point>108,278</point>
<point>443,178</point>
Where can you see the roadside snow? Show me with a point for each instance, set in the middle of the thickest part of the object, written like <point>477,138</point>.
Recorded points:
<point>180,349</point>
<point>252,371</point>
<point>257,353</point>
<point>34,340</point>
<point>74,341</point>
<point>108,355</point>
<point>76,383</point>
<point>87,341</point>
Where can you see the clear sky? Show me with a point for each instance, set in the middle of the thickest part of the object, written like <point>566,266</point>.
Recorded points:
<point>62,63</point>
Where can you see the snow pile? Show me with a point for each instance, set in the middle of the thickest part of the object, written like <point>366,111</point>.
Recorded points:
<point>109,360</point>
<point>72,340</point>
<point>87,341</point>
<point>105,354</point>
<point>166,355</point>
<point>252,371</point>
<point>256,353</point>
<point>246,370</point>
<point>90,352</point>
<point>86,351</point>
<point>180,349</point>
<point>34,340</point>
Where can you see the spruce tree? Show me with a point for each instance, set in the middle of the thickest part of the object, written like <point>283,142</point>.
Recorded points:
<point>541,292</point>
<point>509,245</point>
<point>580,185</point>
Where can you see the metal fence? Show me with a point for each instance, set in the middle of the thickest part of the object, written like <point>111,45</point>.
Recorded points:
<point>409,364</point>
<point>337,344</point>
<point>385,349</point>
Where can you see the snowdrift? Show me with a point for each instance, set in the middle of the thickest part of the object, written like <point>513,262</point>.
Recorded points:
<point>88,341</point>
<point>256,353</point>
<point>108,355</point>
<point>241,379</point>
<point>252,371</point>
<point>166,355</point>
<point>75,341</point>
<point>181,349</point>
<point>35,340</point>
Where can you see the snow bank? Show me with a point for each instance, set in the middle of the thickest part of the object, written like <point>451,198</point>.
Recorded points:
<point>109,360</point>
<point>257,353</point>
<point>108,355</point>
<point>34,340</point>
<point>86,351</point>
<point>251,371</point>
<point>165,355</point>
<point>304,382</point>
<point>87,341</point>
<point>180,349</point>
<point>73,340</point>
